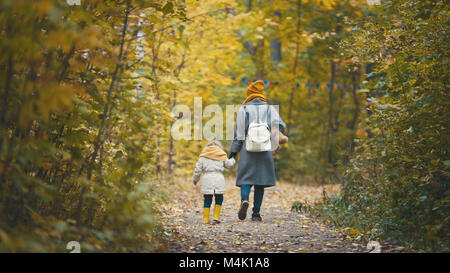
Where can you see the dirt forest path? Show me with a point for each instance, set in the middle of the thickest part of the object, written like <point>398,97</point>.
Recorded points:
<point>281,230</point>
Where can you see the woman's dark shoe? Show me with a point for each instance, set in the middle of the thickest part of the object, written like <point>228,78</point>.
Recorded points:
<point>243,210</point>
<point>256,218</point>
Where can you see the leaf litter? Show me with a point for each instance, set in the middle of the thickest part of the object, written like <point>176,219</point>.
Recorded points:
<point>281,231</point>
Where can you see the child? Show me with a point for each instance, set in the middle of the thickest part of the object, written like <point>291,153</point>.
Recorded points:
<point>212,162</point>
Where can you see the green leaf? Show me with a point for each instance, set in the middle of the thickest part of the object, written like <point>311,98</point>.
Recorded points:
<point>168,8</point>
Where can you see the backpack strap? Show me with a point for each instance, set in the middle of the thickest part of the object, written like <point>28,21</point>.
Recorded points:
<point>247,120</point>
<point>257,113</point>
<point>269,117</point>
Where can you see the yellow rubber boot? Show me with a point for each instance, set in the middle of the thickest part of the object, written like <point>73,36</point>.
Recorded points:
<point>217,213</point>
<point>206,215</point>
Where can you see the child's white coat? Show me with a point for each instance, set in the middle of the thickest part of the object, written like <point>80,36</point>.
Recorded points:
<point>213,181</point>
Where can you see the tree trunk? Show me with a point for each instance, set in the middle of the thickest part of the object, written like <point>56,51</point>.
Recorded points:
<point>8,79</point>
<point>331,129</point>
<point>114,78</point>
<point>294,68</point>
<point>170,161</point>
<point>352,125</point>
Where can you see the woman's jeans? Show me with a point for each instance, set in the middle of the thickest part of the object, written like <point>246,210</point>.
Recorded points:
<point>257,198</point>
<point>208,200</point>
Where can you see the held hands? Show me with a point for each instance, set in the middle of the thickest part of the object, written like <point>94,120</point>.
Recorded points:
<point>232,154</point>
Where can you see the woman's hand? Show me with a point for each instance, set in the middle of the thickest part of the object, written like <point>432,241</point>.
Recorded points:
<point>277,149</point>
<point>283,139</point>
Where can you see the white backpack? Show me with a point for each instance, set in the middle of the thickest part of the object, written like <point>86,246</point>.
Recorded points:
<point>258,136</point>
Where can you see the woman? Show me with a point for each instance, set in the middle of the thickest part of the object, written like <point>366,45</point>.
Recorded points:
<point>255,168</point>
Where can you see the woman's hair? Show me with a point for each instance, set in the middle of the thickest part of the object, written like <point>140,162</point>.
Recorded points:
<point>215,143</point>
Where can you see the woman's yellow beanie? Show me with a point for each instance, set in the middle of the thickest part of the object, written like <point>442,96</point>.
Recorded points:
<point>255,91</point>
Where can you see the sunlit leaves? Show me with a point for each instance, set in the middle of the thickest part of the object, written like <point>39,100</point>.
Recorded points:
<point>57,66</point>
<point>396,186</point>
